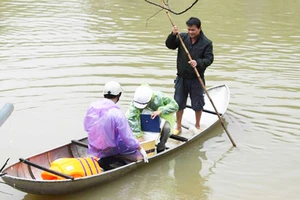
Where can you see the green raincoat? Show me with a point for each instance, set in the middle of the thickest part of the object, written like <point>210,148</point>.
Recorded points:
<point>159,101</point>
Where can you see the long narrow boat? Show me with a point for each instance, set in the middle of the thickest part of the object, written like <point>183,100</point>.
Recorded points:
<point>26,174</point>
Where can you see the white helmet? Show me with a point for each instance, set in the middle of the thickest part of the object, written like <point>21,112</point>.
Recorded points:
<point>112,88</point>
<point>142,96</point>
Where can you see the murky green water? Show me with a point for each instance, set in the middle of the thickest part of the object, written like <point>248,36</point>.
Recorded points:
<point>56,56</point>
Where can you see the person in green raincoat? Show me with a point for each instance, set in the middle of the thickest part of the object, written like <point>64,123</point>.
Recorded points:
<point>159,104</point>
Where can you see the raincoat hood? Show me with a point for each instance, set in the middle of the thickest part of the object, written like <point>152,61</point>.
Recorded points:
<point>95,110</point>
<point>108,130</point>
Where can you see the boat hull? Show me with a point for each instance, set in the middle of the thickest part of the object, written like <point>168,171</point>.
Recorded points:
<point>28,179</point>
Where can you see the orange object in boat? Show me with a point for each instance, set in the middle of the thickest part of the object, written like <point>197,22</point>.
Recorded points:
<point>75,167</point>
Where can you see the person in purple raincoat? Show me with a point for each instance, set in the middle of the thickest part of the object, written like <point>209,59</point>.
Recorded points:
<point>109,133</point>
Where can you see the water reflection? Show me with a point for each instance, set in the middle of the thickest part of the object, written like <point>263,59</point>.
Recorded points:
<point>187,173</point>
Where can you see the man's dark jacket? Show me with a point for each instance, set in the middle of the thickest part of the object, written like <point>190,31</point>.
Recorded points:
<point>201,51</point>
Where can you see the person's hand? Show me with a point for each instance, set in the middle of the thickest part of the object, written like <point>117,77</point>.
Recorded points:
<point>155,113</point>
<point>193,63</point>
<point>141,139</point>
<point>144,154</point>
<point>175,30</point>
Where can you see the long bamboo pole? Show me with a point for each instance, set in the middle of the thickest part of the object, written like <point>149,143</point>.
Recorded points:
<point>199,78</point>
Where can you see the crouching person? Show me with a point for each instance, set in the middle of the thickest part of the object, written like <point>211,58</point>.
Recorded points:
<point>109,133</point>
<point>160,105</point>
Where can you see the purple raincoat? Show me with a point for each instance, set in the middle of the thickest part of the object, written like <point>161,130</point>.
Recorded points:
<point>108,130</point>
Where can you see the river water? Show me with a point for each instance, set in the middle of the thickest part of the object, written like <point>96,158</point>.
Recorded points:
<point>56,56</point>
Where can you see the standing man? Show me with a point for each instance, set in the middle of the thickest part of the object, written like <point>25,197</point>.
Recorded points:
<point>186,82</point>
<point>108,130</point>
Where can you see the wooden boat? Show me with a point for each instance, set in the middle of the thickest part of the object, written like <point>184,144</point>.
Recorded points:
<point>26,174</point>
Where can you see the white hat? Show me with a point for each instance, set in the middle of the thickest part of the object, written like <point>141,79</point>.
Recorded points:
<point>112,88</point>
<point>142,96</point>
